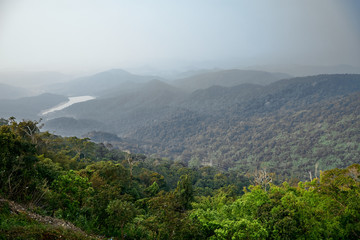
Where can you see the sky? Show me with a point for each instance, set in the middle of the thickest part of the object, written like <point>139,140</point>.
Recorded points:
<point>91,35</point>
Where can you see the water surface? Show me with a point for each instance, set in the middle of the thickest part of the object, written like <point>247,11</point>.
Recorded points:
<point>71,101</point>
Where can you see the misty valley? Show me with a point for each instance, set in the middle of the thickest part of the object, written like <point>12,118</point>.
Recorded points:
<point>220,154</point>
<point>234,119</point>
<point>179,120</point>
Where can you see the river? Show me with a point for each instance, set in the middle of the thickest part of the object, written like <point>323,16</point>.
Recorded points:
<point>71,101</point>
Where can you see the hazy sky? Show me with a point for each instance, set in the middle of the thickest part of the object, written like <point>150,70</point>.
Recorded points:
<point>92,35</point>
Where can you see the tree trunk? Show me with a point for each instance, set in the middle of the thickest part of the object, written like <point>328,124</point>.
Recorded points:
<point>122,231</point>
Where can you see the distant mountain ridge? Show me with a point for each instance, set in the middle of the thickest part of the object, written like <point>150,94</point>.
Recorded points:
<point>239,104</point>
<point>304,70</point>
<point>227,78</point>
<point>29,107</point>
<point>11,92</point>
<point>155,102</point>
<point>97,83</point>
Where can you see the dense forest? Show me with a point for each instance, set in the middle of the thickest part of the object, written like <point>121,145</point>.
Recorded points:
<point>290,142</point>
<point>56,187</point>
<point>293,127</point>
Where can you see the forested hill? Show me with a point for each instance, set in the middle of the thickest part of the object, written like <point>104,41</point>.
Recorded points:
<point>289,126</point>
<point>69,188</point>
<point>249,99</point>
<point>151,102</point>
<point>288,142</point>
<point>156,101</point>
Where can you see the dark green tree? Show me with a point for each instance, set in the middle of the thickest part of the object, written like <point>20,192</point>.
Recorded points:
<point>18,178</point>
<point>184,192</point>
<point>120,213</point>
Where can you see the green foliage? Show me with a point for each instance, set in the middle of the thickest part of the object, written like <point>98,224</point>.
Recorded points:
<point>120,213</point>
<point>163,199</point>
<point>184,192</point>
<point>324,209</point>
<point>343,187</point>
<point>223,218</point>
<point>153,189</point>
<point>17,160</point>
<point>27,129</point>
<point>288,137</point>
<point>168,220</point>
<point>3,121</point>
<point>69,193</point>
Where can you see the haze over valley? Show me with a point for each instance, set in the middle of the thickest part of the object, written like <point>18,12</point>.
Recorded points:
<point>208,117</point>
<point>199,101</point>
<point>180,120</point>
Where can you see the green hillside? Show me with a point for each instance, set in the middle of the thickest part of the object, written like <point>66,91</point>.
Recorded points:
<point>294,126</point>
<point>289,126</point>
<point>69,188</point>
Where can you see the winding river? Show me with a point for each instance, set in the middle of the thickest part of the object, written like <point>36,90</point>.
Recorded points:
<point>71,101</point>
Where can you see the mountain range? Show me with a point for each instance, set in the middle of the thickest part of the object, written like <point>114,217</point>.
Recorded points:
<point>145,103</point>
<point>233,119</point>
<point>227,78</point>
<point>11,92</point>
<point>98,84</point>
